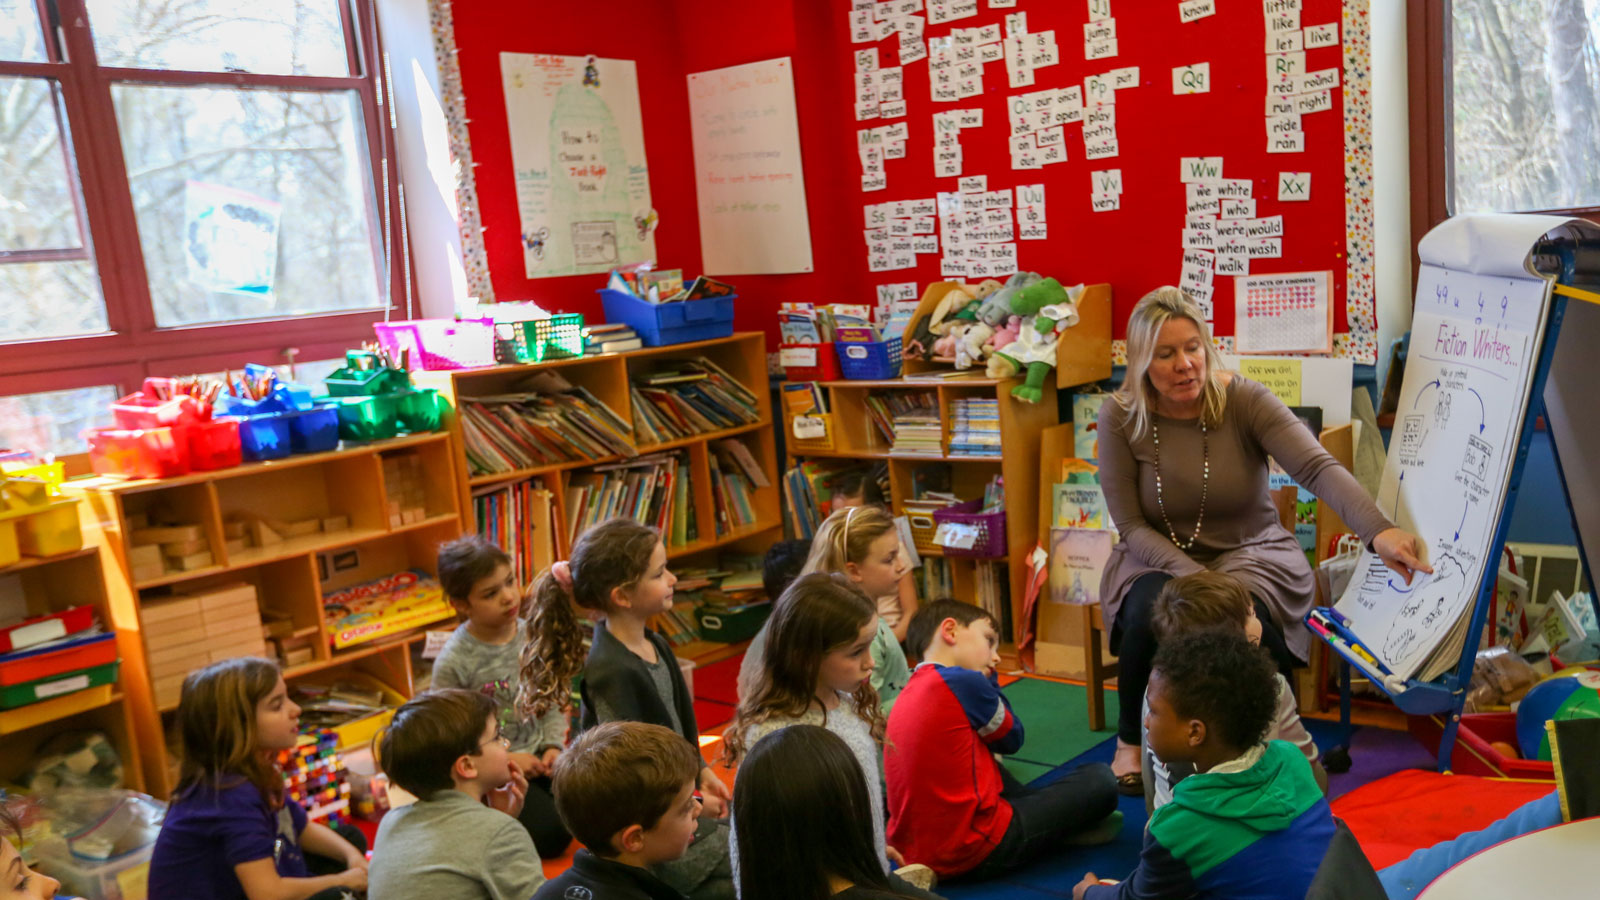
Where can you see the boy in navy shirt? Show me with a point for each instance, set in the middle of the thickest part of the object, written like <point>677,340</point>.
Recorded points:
<point>626,791</point>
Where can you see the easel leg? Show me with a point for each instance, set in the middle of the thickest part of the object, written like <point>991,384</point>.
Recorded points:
<point>1447,741</point>
<point>1337,759</point>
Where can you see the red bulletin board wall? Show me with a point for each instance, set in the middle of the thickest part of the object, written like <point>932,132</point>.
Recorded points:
<point>1137,247</point>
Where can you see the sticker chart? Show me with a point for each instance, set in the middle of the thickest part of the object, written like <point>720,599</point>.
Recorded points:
<point>1288,313</point>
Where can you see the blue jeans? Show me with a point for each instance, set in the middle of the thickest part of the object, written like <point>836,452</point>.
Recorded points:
<point>1407,878</point>
<point>1043,817</point>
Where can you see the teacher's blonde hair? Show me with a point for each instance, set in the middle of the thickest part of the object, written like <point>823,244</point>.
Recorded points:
<point>1137,396</point>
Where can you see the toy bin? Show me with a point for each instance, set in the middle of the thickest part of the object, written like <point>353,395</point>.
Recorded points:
<point>371,418</point>
<point>419,411</point>
<point>809,362</point>
<point>119,878</point>
<point>314,430</point>
<point>558,337</point>
<point>214,444</point>
<point>869,361</point>
<point>41,629</point>
<point>729,624</point>
<point>52,530</point>
<point>659,324</point>
<point>1472,754</point>
<point>57,658</point>
<point>13,696</point>
<point>137,453</point>
<point>141,410</point>
<point>991,542</point>
<point>352,380</point>
<point>10,553</point>
<point>438,344</point>
<point>812,431</point>
<point>265,436</point>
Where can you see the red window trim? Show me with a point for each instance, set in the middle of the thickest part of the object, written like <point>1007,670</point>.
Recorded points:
<point>133,339</point>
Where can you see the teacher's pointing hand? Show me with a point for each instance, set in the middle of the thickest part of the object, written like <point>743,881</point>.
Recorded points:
<point>1401,551</point>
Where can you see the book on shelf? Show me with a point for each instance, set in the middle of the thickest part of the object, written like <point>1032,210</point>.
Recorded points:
<point>992,592</point>
<point>652,490</point>
<point>975,426</point>
<point>520,519</point>
<point>692,397</point>
<point>936,579</point>
<point>732,494</point>
<point>908,421</point>
<point>507,432</point>
<point>1079,506</point>
<point>809,487</point>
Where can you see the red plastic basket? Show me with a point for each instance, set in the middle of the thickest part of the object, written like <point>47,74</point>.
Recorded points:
<point>825,365</point>
<point>439,344</point>
<point>991,542</point>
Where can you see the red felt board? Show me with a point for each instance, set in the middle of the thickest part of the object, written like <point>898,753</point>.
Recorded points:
<point>1137,247</point>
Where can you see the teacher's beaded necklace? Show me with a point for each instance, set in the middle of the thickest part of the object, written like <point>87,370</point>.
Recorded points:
<point>1205,482</point>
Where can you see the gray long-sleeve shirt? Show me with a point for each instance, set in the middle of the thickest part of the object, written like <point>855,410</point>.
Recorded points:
<point>466,662</point>
<point>453,846</point>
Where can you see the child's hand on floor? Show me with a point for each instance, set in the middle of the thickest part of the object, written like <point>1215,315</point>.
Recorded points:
<point>895,857</point>
<point>715,798</point>
<point>1089,880</point>
<point>508,797</point>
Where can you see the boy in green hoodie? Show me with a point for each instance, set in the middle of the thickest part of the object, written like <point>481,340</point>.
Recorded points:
<point>1251,823</point>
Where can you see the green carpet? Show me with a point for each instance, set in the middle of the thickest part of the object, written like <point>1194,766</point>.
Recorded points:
<point>1055,721</point>
<point>1024,772</point>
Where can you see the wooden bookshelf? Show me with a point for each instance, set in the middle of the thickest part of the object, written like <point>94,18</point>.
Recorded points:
<point>289,578</point>
<point>608,377</point>
<point>52,584</point>
<point>1084,356</point>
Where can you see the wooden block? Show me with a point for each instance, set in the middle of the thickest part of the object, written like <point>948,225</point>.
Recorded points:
<point>189,563</point>
<point>221,624</point>
<point>224,595</point>
<point>263,534</point>
<point>193,655</point>
<point>144,555</point>
<point>235,546</point>
<point>148,571</point>
<point>394,507</point>
<point>334,524</point>
<point>174,634</point>
<point>277,626</point>
<point>301,528</point>
<point>199,657</point>
<point>138,520</point>
<point>255,647</point>
<point>234,530</point>
<point>299,656</point>
<point>412,515</point>
<point>395,521</point>
<point>152,612</point>
<point>168,535</point>
<point>185,548</point>
<point>168,690</point>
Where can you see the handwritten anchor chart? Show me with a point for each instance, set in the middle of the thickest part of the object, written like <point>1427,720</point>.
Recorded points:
<point>577,148</point>
<point>1460,410</point>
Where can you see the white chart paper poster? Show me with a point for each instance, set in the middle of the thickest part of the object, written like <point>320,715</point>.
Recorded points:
<point>577,147</point>
<point>748,177</point>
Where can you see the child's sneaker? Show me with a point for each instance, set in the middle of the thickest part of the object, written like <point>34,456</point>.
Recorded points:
<point>919,876</point>
<point>1104,832</point>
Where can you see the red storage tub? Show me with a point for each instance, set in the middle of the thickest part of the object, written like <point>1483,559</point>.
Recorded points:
<point>141,410</point>
<point>214,445</point>
<point>42,629</point>
<point>809,362</point>
<point>59,658</point>
<point>1472,754</point>
<point>138,453</point>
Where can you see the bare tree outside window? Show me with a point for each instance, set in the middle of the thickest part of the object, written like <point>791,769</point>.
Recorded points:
<point>1526,105</point>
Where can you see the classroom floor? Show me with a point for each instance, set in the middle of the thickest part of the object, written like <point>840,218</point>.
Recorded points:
<point>1058,740</point>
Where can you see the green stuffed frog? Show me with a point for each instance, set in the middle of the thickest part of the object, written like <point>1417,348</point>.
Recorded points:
<point>1047,309</point>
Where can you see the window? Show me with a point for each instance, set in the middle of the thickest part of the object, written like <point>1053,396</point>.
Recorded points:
<point>1505,107</point>
<point>235,199</point>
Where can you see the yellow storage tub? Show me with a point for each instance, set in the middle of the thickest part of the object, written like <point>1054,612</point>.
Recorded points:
<point>357,734</point>
<point>51,530</point>
<point>10,552</point>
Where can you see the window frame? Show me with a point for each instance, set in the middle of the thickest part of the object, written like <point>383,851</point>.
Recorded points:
<point>1431,111</point>
<point>133,341</point>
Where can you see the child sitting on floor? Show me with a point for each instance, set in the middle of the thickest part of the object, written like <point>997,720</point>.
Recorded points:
<point>446,747</point>
<point>626,790</point>
<point>1250,823</point>
<point>951,805</point>
<point>1216,601</point>
<point>483,655</point>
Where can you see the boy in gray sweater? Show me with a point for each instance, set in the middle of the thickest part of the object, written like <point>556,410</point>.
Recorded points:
<point>461,839</point>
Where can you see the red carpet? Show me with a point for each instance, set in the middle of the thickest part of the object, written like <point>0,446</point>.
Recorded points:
<point>719,682</point>
<point>1404,812</point>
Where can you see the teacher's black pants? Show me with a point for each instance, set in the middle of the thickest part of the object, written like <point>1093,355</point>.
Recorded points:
<point>1135,646</point>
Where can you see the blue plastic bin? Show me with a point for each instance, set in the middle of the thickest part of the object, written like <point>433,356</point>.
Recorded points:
<point>870,361</point>
<point>265,436</point>
<point>314,430</point>
<point>659,324</point>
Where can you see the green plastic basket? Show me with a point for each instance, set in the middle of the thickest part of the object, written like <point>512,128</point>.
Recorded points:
<point>558,337</point>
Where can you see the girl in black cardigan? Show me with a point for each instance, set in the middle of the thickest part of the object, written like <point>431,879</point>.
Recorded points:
<point>618,571</point>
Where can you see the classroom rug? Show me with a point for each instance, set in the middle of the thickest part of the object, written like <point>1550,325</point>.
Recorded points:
<point>1055,722</point>
<point>1406,811</point>
<point>719,681</point>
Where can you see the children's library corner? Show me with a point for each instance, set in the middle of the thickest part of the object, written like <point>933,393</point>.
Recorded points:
<point>1163,361</point>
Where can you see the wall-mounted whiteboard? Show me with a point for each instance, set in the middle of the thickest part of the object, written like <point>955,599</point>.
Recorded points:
<point>748,176</point>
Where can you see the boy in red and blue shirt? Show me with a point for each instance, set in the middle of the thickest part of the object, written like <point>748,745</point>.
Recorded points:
<point>952,806</point>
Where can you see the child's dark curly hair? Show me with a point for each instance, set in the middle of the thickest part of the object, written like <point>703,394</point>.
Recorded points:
<point>1220,679</point>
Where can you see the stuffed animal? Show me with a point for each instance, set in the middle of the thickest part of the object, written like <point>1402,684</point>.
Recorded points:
<point>1048,309</point>
<point>1005,336</point>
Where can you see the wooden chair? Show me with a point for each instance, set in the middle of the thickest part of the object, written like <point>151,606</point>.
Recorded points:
<point>1096,669</point>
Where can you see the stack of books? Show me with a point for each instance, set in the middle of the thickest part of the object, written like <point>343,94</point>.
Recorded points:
<point>609,338</point>
<point>914,420</point>
<point>936,578</point>
<point>694,397</point>
<point>507,432</point>
<point>975,426</point>
<point>653,490</point>
<point>992,592</point>
<point>809,494</point>
<point>519,518</point>
<point>732,490</point>
<point>677,624</point>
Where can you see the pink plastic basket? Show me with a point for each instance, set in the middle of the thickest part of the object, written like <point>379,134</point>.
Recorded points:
<point>438,344</point>
<point>991,542</point>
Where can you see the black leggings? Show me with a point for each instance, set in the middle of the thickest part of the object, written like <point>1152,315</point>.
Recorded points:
<point>550,837</point>
<point>1135,646</point>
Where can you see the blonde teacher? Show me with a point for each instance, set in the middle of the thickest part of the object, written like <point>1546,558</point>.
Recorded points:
<point>1183,461</point>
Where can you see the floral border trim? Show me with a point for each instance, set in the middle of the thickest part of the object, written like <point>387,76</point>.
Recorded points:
<point>473,256</point>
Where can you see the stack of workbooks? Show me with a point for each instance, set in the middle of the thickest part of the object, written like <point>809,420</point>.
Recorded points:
<point>914,421</point>
<point>653,490</point>
<point>507,432</point>
<point>519,518</point>
<point>692,397</point>
<point>975,426</point>
<point>609,338</point>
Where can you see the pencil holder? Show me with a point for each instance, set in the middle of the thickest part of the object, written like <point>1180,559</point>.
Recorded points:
<point>371,418</point>
<point>314,430</point>
<point>214,444</point>
<point>138,452</point>
<point>418,411</point>
<point>362,375</point>
<point>265,436</point>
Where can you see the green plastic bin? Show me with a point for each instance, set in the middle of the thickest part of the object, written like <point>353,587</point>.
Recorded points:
<point>419,411</point>
<point>729,624</point>
<point>371,418</point>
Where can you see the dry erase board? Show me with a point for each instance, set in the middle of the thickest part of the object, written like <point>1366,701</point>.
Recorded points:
<point>1121,119</point>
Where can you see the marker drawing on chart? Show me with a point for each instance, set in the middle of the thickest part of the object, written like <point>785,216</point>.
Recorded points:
<point>1424,615</point>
